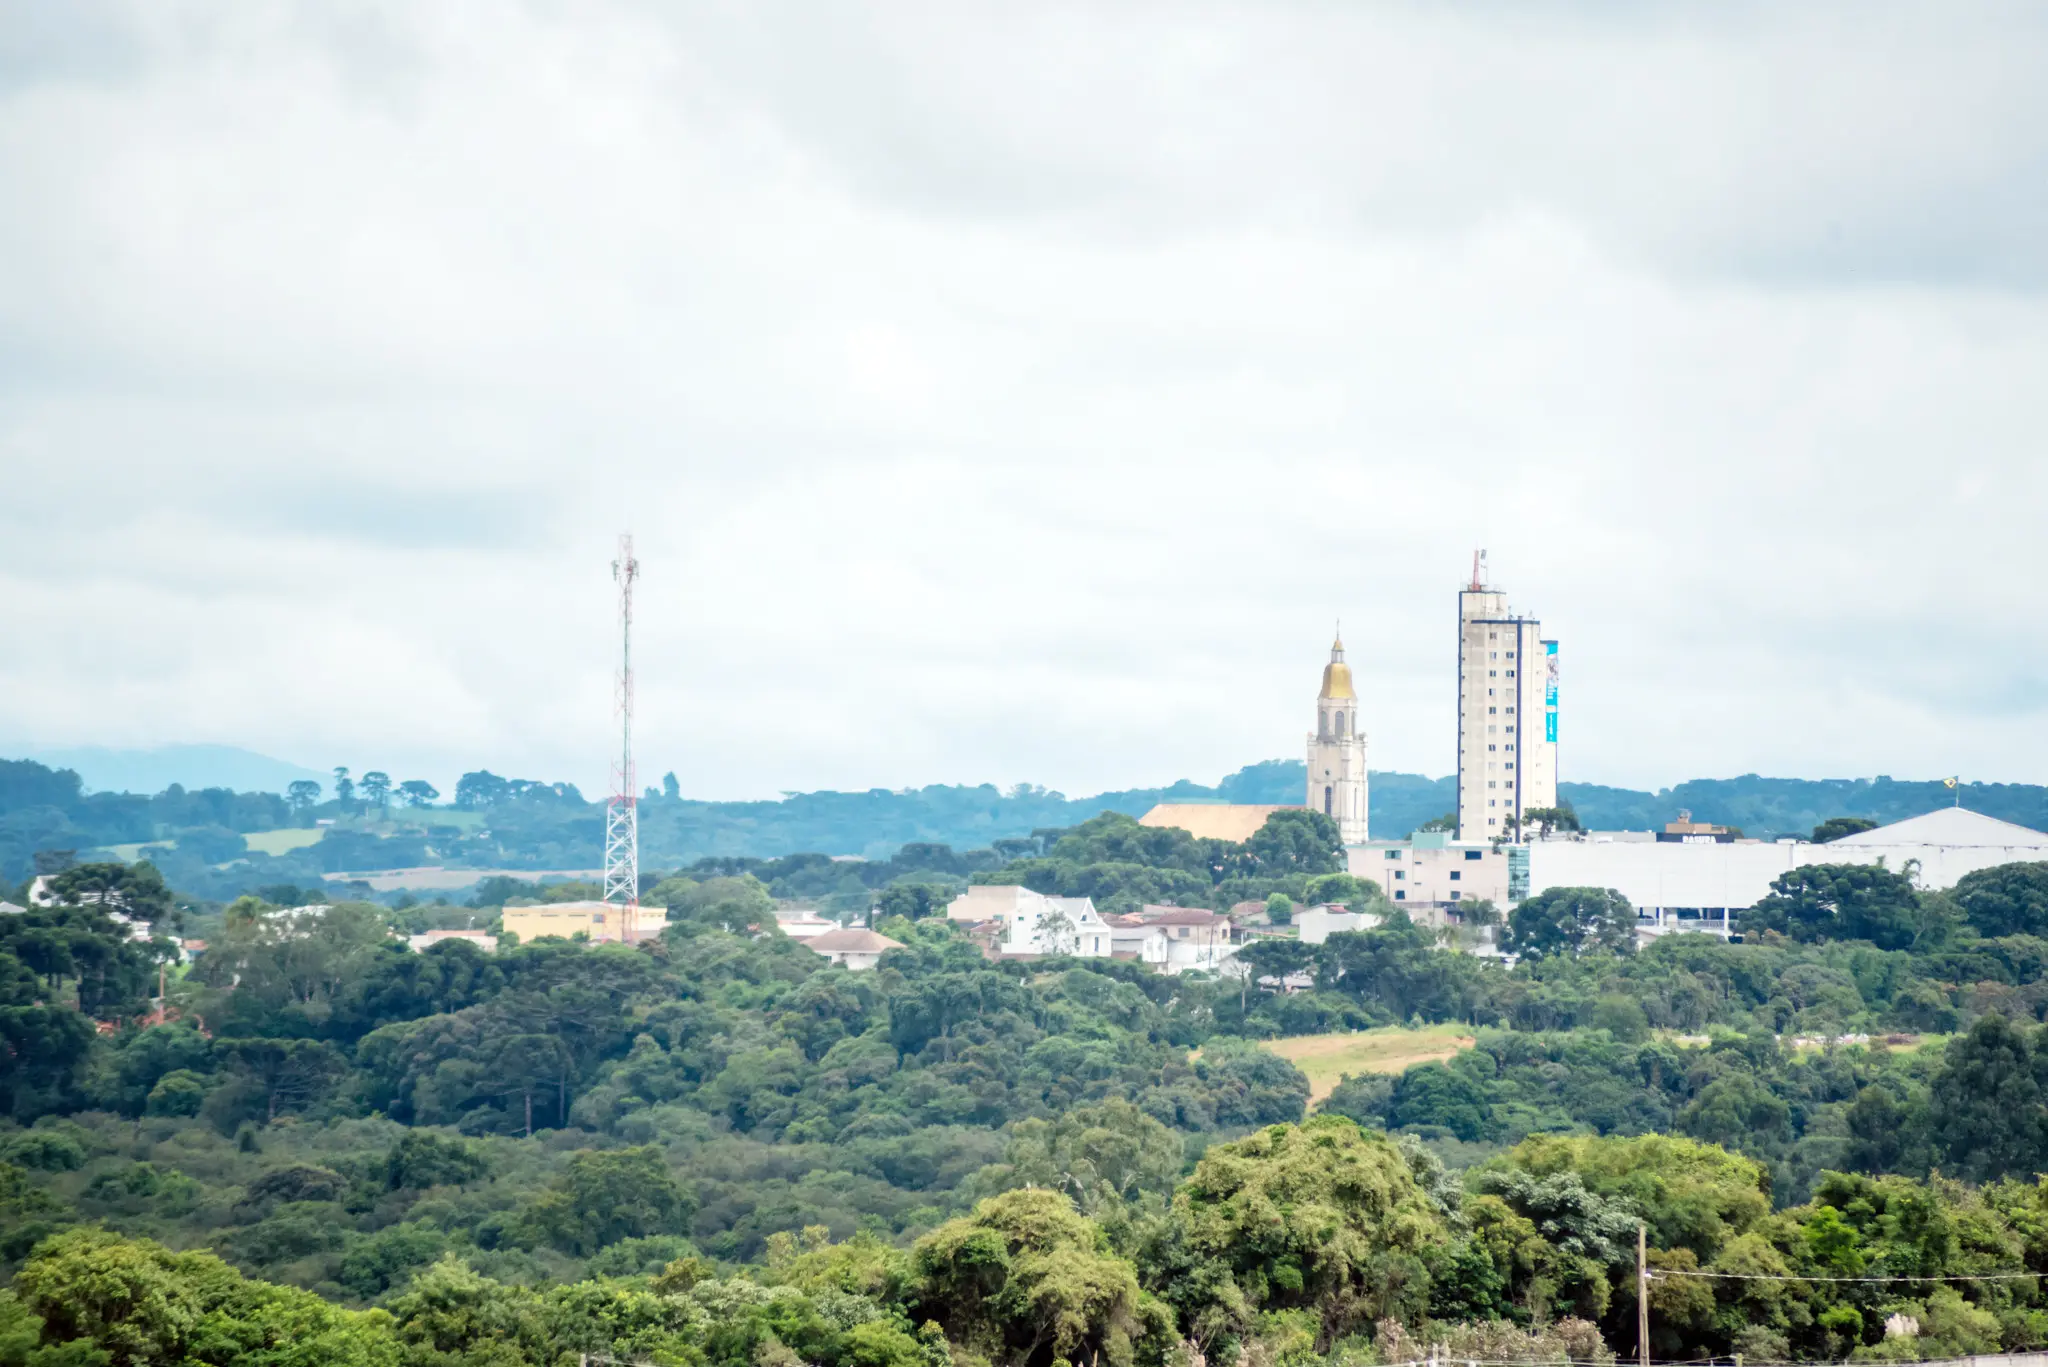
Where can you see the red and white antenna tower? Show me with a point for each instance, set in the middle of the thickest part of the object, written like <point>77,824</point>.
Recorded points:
<point>622,813</point>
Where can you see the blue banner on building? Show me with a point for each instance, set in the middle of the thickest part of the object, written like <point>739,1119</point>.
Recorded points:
<point>1550,691</point>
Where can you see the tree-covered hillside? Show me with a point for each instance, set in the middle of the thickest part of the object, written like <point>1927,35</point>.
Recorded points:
<point>720,1148</point>
<point>220,844</point>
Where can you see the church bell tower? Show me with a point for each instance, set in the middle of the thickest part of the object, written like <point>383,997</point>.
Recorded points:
<point>1336,752</point>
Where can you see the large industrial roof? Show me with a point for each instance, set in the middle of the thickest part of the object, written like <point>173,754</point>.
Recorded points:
<point>1952,826</point>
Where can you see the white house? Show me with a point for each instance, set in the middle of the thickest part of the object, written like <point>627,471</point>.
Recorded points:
<point>1318,924</point>
<point>1195,938</point>
<point>1147,944</point>
<point>1033,923</point>
<point>803,924</point>
<point>857,949</point>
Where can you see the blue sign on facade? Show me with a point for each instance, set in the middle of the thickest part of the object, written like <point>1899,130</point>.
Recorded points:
<point>1550,691</point>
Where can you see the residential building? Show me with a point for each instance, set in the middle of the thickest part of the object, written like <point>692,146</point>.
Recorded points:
<point>601,921</point>
<point>482,939</point>
<point>1195,938</point>
<point>1434,870</point>
<point>1507,713</point>
<point>1029,923</point>
<point>1314,925</point>
<point>1336,751</point>
<point>801,923</point>
<point>1136,941</point>
<point>857,950</point>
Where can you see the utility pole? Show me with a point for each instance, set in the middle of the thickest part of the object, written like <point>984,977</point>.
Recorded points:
<point>1642,1294</point>
<point>622,813</point>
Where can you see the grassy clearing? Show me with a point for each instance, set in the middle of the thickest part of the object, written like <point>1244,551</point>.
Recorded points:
<point>1327,1059</point>
<point>281,842</point>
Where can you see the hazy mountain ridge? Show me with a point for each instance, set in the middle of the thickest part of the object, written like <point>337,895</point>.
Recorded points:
<point>198,835</point>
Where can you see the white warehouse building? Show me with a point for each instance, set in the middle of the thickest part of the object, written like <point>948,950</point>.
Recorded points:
<point>1682,886</point>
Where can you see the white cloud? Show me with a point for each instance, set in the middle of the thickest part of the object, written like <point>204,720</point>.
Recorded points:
<point>1004,394</point>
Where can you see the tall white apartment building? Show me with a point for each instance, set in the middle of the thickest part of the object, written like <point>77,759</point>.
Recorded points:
<point>1336,752</point>
<point>1507,713</point>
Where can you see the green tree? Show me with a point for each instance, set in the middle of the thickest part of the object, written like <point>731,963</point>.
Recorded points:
<point>1097,1155</point>
<point>137,890</point>
<point>608,1195</point>
<point>1571,923</point>
<point>1835,827</point>
<point>1991,1101</point>
<point>344,788</point>
<point>285,1074</point>
<point>1341,888</point>
<point>1279,909</point>
<point>417,792</point>
<point>2010,899</point>
<point>1320,1216</point>
<point>303,795</point>
<point>377,789</point>
<point>1027,1281</point>
<point>1818,902</point>
<point>1297,840</point>
<point>1548,820</point>
<point>423,1159</point>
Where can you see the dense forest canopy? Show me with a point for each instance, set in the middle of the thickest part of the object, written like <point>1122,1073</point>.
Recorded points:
<point>719,1147</point>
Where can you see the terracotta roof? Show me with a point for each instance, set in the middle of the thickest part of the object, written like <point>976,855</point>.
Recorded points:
<point>1236,822</point>
<point>856,940</point>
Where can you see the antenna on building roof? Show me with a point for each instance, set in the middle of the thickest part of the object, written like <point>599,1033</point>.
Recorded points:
<point>1478,570</point>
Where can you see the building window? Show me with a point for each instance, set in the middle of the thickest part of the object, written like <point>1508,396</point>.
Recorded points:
<point>1400,895</point>
<point>1454,875</point>
<point>1340,724</point>
<point>1491,822</point>
<point>1326,802</point>
<point>1511,654</point>
<point>1393,854</point>
<point>1473,854</point>
<point>1511,673</point>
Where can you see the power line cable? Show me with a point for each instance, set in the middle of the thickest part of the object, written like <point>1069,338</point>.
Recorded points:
<point>1656,1273</point>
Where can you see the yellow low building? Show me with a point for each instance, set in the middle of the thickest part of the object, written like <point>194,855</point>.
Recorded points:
<point>600,921</point>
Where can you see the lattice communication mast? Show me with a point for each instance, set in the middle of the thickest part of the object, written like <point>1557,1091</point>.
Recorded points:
<point>622,813</point>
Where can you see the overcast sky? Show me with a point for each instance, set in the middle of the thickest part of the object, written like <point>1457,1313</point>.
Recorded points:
<point>1020,392</point>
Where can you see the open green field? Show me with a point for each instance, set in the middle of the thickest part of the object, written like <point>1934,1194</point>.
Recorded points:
<point>282,842</point>
<point>1327,1059</point>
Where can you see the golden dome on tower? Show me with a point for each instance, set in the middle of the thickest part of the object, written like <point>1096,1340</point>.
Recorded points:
<point>1337,674</point>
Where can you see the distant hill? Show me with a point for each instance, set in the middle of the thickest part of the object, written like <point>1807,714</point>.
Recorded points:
<point>105,770</point>
<point>198,833</point>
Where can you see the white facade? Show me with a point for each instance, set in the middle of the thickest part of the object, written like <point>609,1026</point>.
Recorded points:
<point>1336,752</point>
<point>1147,944</point>
<point>1196,940</point>
<point>1317,924</point>
<point>1428,871</point>
<point>1681,886</point>
<point>1033,923</point>
<point>803,925</point>
<point>1507,738</point>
